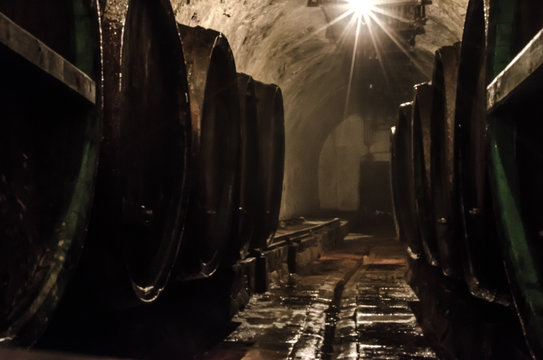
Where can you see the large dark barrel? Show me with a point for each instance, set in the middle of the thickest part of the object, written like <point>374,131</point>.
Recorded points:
<point>516,167</point>
<point>403,185</point>
<point>142,198</point>
<point>421,160</point>
<point>271,152</point>
<point>483,266</point>
<point>49,137</point>
<point>154,139</point>
<point>443,172</point>
<point>214,177</point>
<point>246,210</point>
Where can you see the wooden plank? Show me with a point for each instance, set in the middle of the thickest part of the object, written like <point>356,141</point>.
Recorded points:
<point>306,227</point>
<point>16,40</point>
<point>522,75</point>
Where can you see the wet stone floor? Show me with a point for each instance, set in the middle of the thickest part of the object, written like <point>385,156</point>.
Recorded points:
<point>352,303</point>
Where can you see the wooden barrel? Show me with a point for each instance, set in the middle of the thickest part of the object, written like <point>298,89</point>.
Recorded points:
<point>246,209</point>
<point>444,80</point>
<point>403,185</point>
<point>483,265</point>
<point>214,177</point>
<point>145,187</point>
<point>516,167</point>
<point>50,99</point>
<point>271,153</point>
<point>421,160</point>
<point>443,172</point>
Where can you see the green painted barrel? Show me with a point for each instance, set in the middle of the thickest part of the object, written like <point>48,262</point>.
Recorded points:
<point>49,143</point>
<point>421,161</point>
<point>483,266</point>
<point>516,166</point>
<point>215,147</point>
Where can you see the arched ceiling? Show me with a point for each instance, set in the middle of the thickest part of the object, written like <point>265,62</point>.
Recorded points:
<point>285,42</point>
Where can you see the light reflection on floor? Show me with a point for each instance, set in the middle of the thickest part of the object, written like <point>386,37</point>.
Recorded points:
<point>305,319</point>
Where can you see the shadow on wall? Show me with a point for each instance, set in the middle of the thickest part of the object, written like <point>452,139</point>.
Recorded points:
<point>338,166</point>
<point>303,145</point>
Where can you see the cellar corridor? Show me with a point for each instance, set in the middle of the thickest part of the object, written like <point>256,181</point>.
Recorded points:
<point>352,303</point>
<point>271,179</point>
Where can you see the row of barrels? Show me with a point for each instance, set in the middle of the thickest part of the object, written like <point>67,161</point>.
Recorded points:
<point>467,182</point>
<point>175,169</point>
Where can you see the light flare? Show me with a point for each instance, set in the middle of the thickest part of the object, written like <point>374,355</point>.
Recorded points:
<point>353,61</point>
<point>377,48</point>
<point>396,39</point>
<point>360,7</point>
<point>364,11</point>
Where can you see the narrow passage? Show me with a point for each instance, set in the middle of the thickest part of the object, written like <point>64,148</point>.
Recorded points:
<point>352,303</point>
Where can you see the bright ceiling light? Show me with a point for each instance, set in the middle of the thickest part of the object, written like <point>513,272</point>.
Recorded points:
<point>360,7</point>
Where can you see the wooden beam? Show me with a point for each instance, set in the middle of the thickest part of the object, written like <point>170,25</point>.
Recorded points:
<point>523,75</point>
<point>14,39</point>
<point>307,227</point>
